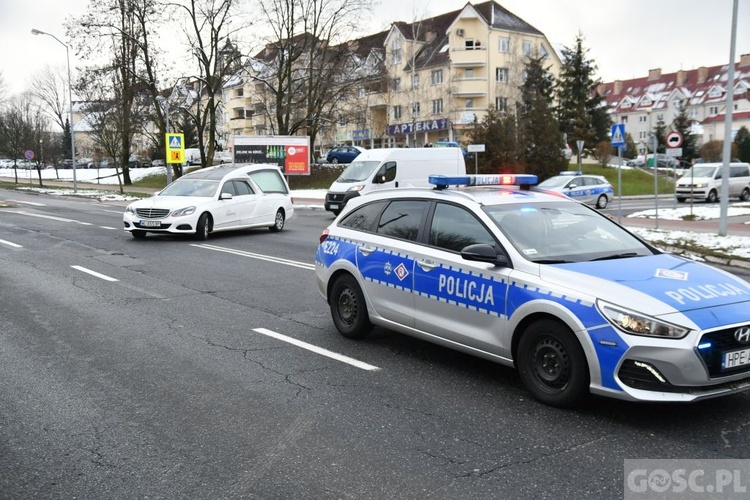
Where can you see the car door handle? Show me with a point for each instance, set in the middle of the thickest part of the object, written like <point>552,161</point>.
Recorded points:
<point>426,265</point>
<point>366,250</point>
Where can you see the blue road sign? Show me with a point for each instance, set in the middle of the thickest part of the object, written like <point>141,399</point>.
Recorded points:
<point>618,135</point>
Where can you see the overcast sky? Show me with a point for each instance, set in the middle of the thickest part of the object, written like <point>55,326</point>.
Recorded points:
<point>626,38</point>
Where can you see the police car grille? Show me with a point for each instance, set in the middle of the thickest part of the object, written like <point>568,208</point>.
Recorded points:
<point>721,342</point>
<point>151,213</point>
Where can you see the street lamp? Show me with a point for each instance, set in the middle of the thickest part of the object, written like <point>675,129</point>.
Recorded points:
<point>70,100</point>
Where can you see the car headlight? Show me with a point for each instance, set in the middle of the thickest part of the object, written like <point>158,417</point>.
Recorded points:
<point>358,187</point>
<point>183,212</point>
<point>130,210</point>
<point>639,324</point>
<point>700,185</point>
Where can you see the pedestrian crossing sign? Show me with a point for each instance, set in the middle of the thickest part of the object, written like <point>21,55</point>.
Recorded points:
<point>175,144</point>
<point>618,135</point>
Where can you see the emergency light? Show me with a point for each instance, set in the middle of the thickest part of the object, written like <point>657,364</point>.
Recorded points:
<point>443,181</point>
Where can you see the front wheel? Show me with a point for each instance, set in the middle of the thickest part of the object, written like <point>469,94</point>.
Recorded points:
<point>552,365</point>
<point>745,195</point>
<point>348,308</point>
<point>601,202</point>
<point>334,160</point>
<point>278,222</point>
<point>713,197</point>
<point>203,227</point>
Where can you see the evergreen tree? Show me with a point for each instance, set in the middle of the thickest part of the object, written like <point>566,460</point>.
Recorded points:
<point>540,140</point>
<point>682,124</point>
<point>66,140</point>
<point>497,131</point>
<point>631,151</point>
<point>582,113</point>
<point>742,140</point>
<point>661,137</point>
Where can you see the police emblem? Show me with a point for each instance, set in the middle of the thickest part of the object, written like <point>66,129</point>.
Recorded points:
<point>387,269</point>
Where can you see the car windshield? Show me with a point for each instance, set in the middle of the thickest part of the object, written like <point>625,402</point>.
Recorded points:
<point>560,232</point>
<point>700,171</point>
<point>200,188</point>
<point>553,182</point>
<point>358,171</point>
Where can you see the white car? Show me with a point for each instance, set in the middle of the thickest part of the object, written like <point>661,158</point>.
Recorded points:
<point>209,200</point>
<point>572,300</point>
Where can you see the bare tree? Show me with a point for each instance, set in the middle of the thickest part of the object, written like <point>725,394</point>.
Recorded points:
<point>21,127</point>
<point>305,67</point>
<point>49,87</point>
<point>208,34</point>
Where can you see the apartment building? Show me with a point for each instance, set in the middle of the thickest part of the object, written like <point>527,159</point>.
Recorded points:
<point>641,103</point>
<point>428,81</point>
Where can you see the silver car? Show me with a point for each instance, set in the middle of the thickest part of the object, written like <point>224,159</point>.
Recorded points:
<point>594,190</point>
<point>575,302</point>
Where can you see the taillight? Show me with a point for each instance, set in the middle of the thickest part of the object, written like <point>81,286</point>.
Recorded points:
<point>324,235</point>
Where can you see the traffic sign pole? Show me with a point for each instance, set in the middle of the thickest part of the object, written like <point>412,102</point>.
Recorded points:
<point>618,141</point>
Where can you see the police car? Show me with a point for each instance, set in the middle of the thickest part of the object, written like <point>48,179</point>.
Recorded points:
<point>541,282</point>
<point>592,189</point>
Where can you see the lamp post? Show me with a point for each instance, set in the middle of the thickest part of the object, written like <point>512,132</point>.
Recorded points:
<point>70,102</point>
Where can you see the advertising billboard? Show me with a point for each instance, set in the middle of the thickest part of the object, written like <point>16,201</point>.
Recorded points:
<point>290,152</point>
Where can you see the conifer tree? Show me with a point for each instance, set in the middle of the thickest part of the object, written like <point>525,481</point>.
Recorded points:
<point>581,110</point>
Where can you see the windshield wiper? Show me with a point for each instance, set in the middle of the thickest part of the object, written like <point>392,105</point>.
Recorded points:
<point>552,261</point>
<point>616,256</point>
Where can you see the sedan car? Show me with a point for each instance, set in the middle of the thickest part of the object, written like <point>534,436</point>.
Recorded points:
<point>343,154</point>
<point>536,281</point>
<point>220,198</point>
<point>592,189</point>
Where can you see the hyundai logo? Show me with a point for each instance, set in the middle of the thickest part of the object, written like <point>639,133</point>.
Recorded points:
<point>742,335</point>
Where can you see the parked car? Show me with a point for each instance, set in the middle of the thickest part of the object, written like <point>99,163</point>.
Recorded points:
<point>137,161</point>
<point>535,281</point>
<point>453,144</point>
<point>222,157</point>
<point>343,154</point>
<point>159,162</point>
<point>213,199</point>
<point>591,189</point>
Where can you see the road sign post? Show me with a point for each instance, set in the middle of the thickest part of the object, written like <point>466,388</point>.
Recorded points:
<point>476,148</point>
<point>618,141</point>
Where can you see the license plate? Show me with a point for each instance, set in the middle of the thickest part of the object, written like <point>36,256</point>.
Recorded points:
<point>150,223</point>
<point>734,359</point>
<point>334,206</point>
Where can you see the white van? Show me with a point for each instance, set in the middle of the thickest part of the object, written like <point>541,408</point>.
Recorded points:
<point>703,182</point>
<point>376,169</point>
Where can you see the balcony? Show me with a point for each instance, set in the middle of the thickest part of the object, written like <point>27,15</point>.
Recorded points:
<point>470,87</point>
<point>462,58</point>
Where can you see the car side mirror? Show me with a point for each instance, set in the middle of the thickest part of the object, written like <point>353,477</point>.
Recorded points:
<point>226,196</point>
<point>482,252</point>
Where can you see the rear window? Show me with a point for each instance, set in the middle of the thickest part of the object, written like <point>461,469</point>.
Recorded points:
<point>269,181</point>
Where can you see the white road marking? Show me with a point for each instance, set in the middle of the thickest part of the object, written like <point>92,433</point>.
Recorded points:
<point>29,203</point>
<point>94,273</point>
<point>277,260</point>
<point>60,219</point>
<point>10,244</point>
<point>107,227</point>
<point>318,350</point>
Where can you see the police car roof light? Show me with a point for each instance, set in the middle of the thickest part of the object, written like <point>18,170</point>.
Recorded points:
<point>569,172</point>
<point>443,181</point>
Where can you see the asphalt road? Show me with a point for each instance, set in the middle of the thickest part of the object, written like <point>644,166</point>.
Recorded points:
<point>181,380</point>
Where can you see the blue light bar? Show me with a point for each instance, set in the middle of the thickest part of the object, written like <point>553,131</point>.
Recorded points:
<point>443,181</point>
<point>704,345</point>
<point>569,172</point>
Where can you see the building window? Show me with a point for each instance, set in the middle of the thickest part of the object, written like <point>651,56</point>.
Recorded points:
<point>395,55</point>
<point>642,135</point>
<point>436,77</point>
<point>503,44</point>
<point>526,47</point>
<point>415,81</point>
<point>713,110</point>
<point>624,119</point>
<point>240,92</point>
<point>437,106</point>
<point>501,104</point>
<point>642,119</point>
<point>660,117</point>
<point>415,109</point>
<point>472,44</point>
<point>360,92</point>
<point>342,121</point>
<point>469,103</point>
<point>469,73</point>
<point>396,112</point>
<point>397,84</point>
<point>501,75</point>
<point>544,52</point>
